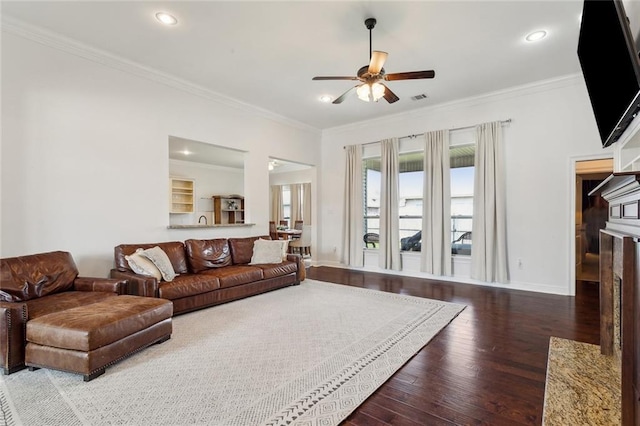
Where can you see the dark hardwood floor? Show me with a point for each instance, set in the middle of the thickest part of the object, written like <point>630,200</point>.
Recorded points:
<point>488,366</point>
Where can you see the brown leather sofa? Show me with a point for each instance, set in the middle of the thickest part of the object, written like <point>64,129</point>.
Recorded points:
<point>210,272</point>
<point>36,285</point>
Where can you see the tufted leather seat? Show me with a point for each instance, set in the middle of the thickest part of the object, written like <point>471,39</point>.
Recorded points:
<point>87,339</point>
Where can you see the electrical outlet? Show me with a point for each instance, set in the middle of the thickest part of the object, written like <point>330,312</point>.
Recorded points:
<point>335,249</point>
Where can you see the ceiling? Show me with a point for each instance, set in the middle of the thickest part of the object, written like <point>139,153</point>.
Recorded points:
<point>205,153</point>
<point>265,53</point>
<point>202,152</point>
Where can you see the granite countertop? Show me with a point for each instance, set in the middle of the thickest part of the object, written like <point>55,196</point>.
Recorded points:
<point>197,226</point>
<point>582,387</point>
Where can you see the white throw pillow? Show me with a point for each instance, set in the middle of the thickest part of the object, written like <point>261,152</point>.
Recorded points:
<point>143,266</point>
<point>285,247</point>
<point>162,262</point>
<point>266,251</point>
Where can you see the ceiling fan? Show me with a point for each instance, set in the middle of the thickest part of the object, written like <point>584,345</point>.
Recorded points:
<point>371,76</point>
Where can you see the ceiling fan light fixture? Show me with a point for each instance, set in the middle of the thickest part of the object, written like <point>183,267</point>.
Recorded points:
<point>370,89</point>
<point>370,92</point>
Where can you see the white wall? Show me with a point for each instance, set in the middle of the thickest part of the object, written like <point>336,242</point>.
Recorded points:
<point>85,153</point>
<point>84,160</point>
<point>551,123</point>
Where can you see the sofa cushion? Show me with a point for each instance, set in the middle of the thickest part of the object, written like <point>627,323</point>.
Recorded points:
<point>86,328</point>
<point>188,285</point>
<point>233,275</point>
<point>161,260</point>
<point>173,249</point>
<point>141,265</point>
<point>266,251</point>
<point>242,249</point>
<point>27,277</point>
<point>272,270</point>
<point>205,254</point>
<point>63,301</point>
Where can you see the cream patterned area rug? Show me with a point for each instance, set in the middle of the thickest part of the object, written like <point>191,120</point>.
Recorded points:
<point>303,355</point>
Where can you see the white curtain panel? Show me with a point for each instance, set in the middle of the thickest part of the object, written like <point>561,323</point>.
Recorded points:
<point>353,217</point>
<point>489,239</point>
<point>389,254</point>
<point>296,206</point>
<point>306,204</point>
<point>276,211</point>
<point>435,256</point>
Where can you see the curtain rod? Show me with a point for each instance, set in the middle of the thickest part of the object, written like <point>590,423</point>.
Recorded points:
<point>503,122</point>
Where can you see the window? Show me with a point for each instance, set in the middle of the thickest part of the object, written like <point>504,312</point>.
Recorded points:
<point>462,171</point>
<point>286,202</point>
<point>411,177</point>
<point>371,186</point>
<point>410,195</point>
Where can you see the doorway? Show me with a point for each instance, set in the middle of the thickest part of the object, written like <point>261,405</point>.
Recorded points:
<point>591,213</point>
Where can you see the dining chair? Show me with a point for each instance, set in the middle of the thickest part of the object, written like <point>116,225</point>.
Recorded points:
<point>273,231</point>
<point>303,244</point>
<point>284,223</point>
<point>297,225</point>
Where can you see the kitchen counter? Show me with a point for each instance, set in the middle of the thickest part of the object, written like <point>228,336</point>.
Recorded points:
<point>222,225</point>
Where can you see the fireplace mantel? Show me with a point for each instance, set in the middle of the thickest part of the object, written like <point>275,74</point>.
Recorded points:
<point>620,285</point>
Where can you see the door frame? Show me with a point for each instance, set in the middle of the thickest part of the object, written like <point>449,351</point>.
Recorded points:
<point>572,213</point>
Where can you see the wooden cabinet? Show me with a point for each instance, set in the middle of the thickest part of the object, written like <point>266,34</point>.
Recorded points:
<point>228,209</point>
<point>182,195</point>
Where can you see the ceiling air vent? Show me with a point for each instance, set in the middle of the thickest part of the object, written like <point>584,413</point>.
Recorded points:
<point>418,97</point>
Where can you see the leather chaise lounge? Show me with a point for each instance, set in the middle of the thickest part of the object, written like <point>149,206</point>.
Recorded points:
<point>51,318</point>
<point>37,285</point>
<point>210,272</point>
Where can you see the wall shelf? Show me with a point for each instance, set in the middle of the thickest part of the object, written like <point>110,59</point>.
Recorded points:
<point>228,209</point>
<point>181,195</point>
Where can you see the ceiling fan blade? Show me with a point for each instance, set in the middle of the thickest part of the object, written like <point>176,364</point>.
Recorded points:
<point>344,95</point>
<point>377,61</point>
<point>389,95</point>
<point>410,75</point>
<point>335,78</point>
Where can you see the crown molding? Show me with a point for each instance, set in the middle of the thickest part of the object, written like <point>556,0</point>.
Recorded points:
<point>500,95</point>
<point>71,46</point>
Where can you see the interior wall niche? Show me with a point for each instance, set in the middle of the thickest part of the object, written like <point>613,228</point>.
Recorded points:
<point>216,170</point>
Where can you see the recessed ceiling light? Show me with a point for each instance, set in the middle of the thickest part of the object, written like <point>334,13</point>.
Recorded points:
<point>536,35</point>
<point>166,19</point>
<point>185,152</point>
<point>326,98</point>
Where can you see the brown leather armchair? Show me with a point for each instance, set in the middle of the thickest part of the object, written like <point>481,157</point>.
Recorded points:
<point>36,285</point>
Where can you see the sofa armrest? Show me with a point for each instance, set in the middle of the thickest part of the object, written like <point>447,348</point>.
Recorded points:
<point>301,274</point>
<point>13,328</point>
<point>118,286</point>
<point>139,285</point>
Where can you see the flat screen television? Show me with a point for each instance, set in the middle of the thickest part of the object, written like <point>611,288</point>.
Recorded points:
<point>610,65</point>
